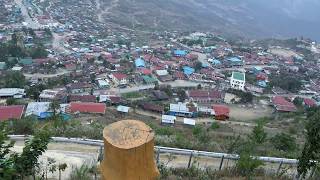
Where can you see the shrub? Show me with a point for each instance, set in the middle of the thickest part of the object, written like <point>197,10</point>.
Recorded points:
<point>283,142</point>
<point>214,126</point>
<point>165,131</point>
<point>246,165</point>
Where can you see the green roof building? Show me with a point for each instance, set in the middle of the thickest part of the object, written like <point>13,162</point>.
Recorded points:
<point>26,61</point>
<point>238,80</point>
<point>149,80</point>
<point>238,76</point>
<point>3,66</point>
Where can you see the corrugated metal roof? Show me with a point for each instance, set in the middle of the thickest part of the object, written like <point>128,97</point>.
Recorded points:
<point>11,112</point>
<point>36,108</point>
<point>88,107</point>
<point>140,62</point>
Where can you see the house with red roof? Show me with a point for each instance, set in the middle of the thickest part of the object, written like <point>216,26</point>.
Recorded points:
<point>11,112</point>
<point>206,96</point>
<point>82,98</point>
<point>307,102</point>
<point>283,105</point>
<point>178,75</point>
<point>98,108</point>
<point>119,78</point>
<point>144,71</point>
<point>221,112</point>
<point>79,87</point>
<point>71,66</point>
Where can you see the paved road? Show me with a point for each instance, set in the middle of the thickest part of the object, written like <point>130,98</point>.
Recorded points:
<point>41,76</point>
<point>174,84</point>
<point>31,23</point>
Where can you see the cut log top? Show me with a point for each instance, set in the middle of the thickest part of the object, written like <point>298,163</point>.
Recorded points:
<point>128,134</point>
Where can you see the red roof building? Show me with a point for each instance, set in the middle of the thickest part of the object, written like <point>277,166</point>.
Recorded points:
<point>179,75</point>
<point>206,96</point>
<point>11,112</point>
<point>221,112</point>
<point>119,76</point>
<point>262,77</point>
<point>153,107</point>
<point>309,102</point>
<point>283,105</point>
<point>145,71</point>
<point>99,108</point>
<point>82,98</point>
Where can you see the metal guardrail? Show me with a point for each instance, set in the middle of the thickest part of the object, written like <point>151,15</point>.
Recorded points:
<point>183,152</point>
<point>160,149</point>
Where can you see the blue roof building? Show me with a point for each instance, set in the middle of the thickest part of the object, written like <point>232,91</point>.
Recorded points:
<point>235,61</point>
<point>180,53</point>
<point>262,84</point>
<point>188,70</point>
<point>216,62</point>
<point>256,70</point>
<point>139,63</point>
<point>205,65</point>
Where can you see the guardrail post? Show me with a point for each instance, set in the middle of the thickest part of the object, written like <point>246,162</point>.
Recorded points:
<point>279,167</point>
<point>190,158</point>
<point>158,156</point>
<point>312,172</point>
<point>100,157</point>
<point>221,163</point>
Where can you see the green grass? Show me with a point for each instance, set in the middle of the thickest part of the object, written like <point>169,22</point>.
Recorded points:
<point>132,95</point>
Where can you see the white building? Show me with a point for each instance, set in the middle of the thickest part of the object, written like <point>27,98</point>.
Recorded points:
<point>36,108</point>
<point>119,78</point>
<point>12,93</point>
<point>238,80</point>
<point>167,119</point>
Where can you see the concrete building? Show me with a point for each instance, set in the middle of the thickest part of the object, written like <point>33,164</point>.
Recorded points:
<point>238,80</point>
<point>12,93</point>
<point>119,78</point>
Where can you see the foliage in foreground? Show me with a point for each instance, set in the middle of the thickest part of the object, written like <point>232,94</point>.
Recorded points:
<point>310,155</point>
<point>18,166</point>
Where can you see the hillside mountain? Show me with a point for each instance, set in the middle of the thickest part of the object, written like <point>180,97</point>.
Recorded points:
<point>250,18</point>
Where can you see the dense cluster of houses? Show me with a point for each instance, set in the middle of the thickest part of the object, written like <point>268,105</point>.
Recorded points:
<point>95,64</point>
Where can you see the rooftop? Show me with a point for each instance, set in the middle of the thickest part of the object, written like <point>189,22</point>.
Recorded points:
<point>11,112</point>
<point>238,76</point>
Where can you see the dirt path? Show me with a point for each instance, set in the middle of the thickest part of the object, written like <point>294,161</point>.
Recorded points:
<point>105,11</point>
<point>31,23</point>
<point>58,41</point>
<point>74,155</point>
<point>41,76</point>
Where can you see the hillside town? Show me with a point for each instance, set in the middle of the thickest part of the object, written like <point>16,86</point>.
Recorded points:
<point>56,59</point>
<point>184,75</point>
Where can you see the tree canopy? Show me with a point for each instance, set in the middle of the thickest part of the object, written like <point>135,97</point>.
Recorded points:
<point>310,155</point>
<point>18,166</point>
<point>15,80</point>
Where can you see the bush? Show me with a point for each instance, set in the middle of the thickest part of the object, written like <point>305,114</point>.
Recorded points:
<point>165,131</point>
<point>81,173</point>
<point>284,142</point>
<point>22,126</point>
<point>214,126</point>
<point>197,130</point>
<point>246,165</point>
